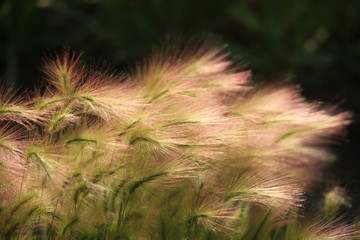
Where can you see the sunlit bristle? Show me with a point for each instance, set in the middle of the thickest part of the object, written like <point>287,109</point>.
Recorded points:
<point>272,190</point>
<point>321,229</point>
<point>11,161</point>
<point>183,148</point>
<point>193,72</point>
<point>65,73</point>
<point>280,126</point>
<point>18,110</point>
<point>82,91</point>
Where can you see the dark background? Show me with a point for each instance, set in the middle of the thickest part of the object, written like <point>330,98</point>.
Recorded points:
<point>315,42</point>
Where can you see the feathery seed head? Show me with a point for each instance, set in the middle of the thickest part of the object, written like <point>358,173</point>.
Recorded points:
<point>184,143</point>
<point>334,200</point>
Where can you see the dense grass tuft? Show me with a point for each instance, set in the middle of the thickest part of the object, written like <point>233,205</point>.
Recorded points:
<point>184,148</point>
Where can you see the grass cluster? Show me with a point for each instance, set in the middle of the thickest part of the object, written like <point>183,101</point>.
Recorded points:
<point>183,148</point>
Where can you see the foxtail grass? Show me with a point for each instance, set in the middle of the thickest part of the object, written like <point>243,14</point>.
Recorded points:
<point>185,147</point>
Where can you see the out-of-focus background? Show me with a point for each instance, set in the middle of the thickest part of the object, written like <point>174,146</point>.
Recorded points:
<point>316,43</point>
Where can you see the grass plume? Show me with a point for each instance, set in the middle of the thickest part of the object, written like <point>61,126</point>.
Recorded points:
<point>183,148</point>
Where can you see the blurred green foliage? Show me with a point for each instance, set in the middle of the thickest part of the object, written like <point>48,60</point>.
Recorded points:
<point>315,42</point>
